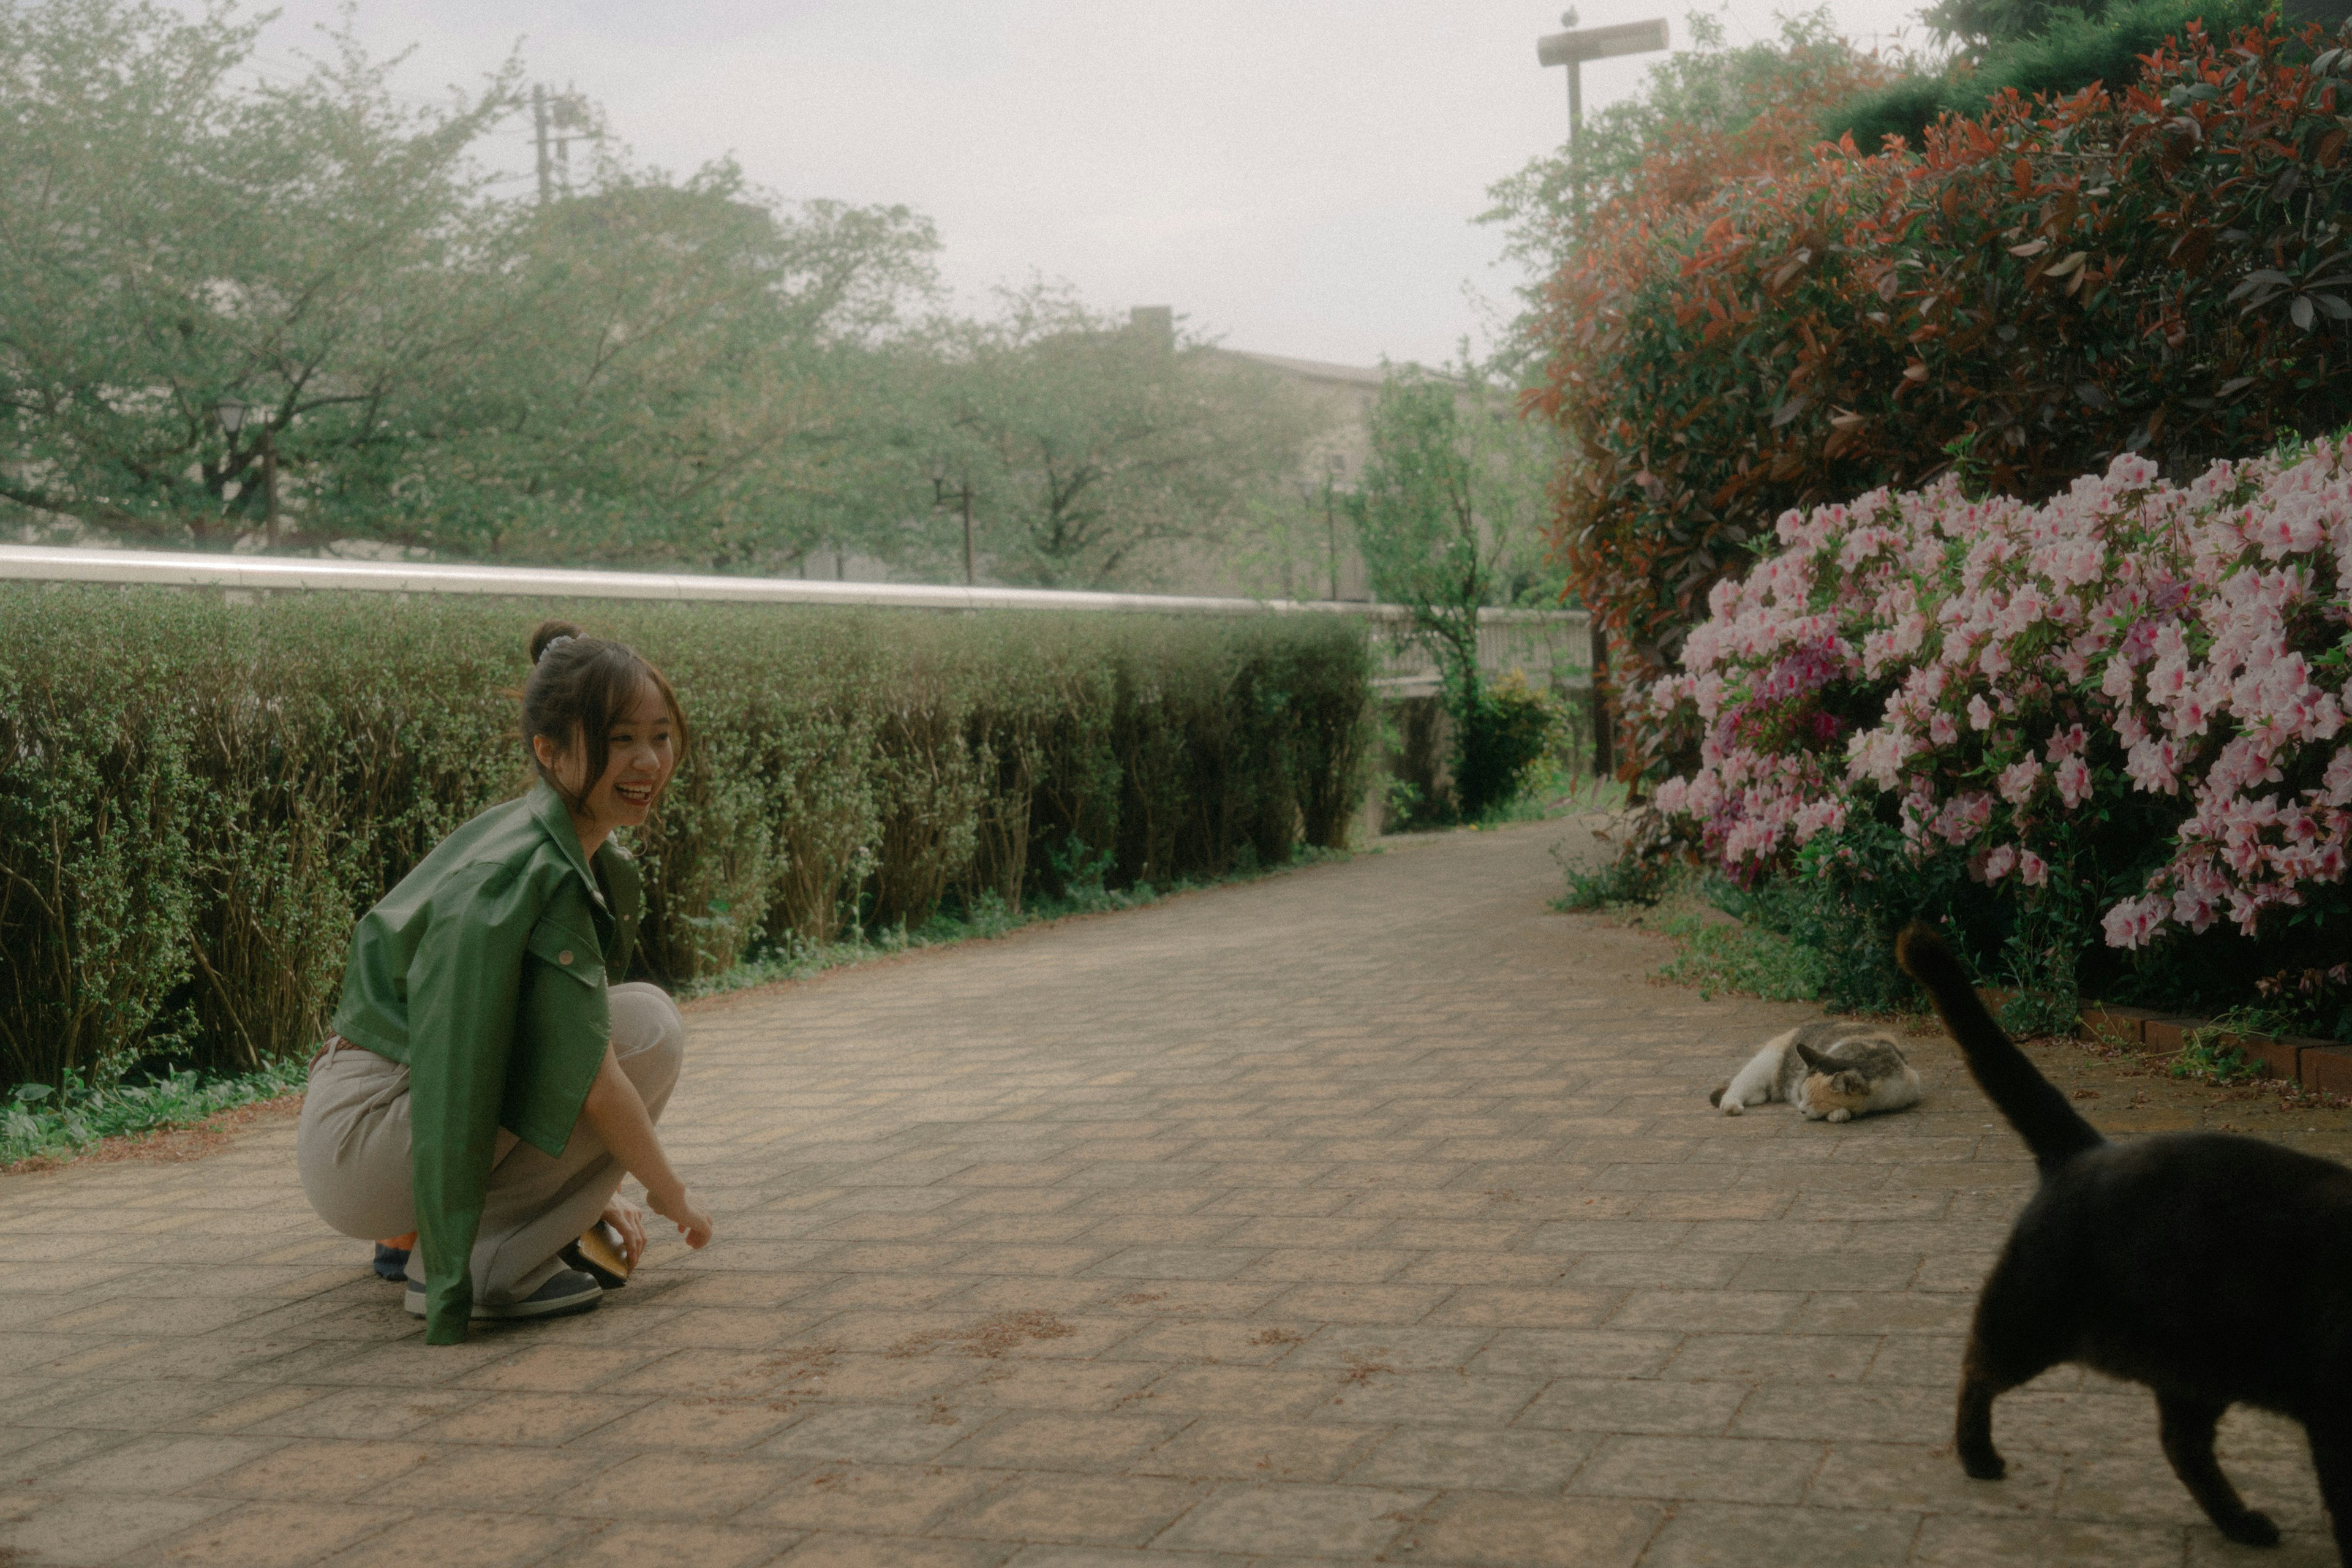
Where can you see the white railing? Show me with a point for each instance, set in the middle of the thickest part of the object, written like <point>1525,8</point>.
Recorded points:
<point>1546,643</point>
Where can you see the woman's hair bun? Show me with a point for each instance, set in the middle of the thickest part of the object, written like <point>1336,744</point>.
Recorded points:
<point>547,633</point>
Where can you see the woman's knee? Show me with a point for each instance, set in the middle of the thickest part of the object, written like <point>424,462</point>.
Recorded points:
<point>649,1033</point>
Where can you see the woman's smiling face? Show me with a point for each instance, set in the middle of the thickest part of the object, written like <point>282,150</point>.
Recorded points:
<point>643,753</point>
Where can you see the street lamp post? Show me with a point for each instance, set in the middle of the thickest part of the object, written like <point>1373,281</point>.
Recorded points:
<point>1572,49</point>
<point>231,415</point>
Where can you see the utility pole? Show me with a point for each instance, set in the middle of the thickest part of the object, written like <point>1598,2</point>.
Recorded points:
<point>552,115</point>
<point>1572,49</point>
<point>269,483</point>
<point>965,494</point>
<point>538,134</point>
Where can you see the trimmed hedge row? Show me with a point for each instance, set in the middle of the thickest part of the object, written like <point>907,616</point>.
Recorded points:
<point>197,798</point>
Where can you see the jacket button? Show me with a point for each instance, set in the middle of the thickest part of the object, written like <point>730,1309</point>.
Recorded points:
<point>563,957</point>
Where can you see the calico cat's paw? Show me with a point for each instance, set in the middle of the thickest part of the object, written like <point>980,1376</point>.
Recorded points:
<point>1840,1114</point>
<point>2252,1528</point>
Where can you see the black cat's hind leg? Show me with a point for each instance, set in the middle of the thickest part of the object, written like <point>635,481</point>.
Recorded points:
<point>2012,1339</point>
<point>2331,1455</point>
<point>2187,1434</point>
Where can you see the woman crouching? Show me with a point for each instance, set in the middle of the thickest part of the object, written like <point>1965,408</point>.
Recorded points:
<point>487,1086</point>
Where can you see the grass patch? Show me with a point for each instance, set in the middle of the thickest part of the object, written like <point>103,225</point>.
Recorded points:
<point>2204,1058</point>
<point>1727,955</point>
<point>40,1121</point>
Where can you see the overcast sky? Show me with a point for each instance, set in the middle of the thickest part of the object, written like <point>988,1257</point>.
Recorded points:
<point>1297,176</point>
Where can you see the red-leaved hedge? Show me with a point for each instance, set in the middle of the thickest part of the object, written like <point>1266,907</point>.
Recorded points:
<point>2161,269</point>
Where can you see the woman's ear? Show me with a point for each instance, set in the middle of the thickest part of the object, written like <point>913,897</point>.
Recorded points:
<point>544,750</point>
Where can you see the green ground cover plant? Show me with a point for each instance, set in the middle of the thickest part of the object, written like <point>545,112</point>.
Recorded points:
<point>197,797</point>
<point>43,1120</point>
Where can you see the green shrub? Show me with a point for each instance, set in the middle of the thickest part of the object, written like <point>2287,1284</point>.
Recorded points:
<point>197,798</point>
<point>2155,267</point>
<point>2068,53</point>
<point>1512,729</point>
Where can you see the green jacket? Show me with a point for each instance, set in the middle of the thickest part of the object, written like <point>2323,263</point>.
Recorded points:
<point>484,972</point>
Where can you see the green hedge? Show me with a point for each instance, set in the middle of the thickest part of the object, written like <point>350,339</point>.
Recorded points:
<point>197,798</point>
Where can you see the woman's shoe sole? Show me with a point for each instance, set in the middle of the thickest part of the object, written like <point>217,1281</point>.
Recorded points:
<point>413,1300</point>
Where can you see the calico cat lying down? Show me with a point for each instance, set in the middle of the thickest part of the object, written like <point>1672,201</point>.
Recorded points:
<point>2215,1269</point>
<point>1832,1072</point>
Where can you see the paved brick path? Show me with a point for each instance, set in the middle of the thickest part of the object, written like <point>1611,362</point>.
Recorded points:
<point>1369,1213</point>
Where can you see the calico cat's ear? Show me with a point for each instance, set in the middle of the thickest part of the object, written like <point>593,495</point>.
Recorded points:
<point>1814,1060</point>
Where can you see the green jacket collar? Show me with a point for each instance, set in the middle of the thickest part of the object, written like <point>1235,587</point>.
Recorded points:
<point>548,807</point>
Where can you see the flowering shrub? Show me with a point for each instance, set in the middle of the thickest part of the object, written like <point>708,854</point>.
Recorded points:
<point>2160,268</point>
<point>2132,695</point>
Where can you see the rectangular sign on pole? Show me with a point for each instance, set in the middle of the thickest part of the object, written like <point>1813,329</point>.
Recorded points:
<point>1600,43</point>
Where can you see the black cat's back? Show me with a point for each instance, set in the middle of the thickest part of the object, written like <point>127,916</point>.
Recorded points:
<point>2199,1259</point>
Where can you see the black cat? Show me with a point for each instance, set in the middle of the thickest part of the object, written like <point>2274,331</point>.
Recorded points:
<point>2217,1270</point>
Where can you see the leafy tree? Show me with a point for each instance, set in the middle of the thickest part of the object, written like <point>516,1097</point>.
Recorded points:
<point>1095,450</point>
<point>1450,518</point>
<point>651,370</point>
<point>167,241</point>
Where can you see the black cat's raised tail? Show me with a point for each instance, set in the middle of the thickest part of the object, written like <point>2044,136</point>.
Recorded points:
<point>2049,1126</point>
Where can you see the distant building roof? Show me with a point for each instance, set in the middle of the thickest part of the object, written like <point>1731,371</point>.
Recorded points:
<point>1314,370</point>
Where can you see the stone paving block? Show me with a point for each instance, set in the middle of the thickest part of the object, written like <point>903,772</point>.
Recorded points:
<point>628,1543</point>
<point>1576,1352</point>
<point>1258,1451</point>
<point>1491,1531</point>
<point>1274,1518</point>
<point>1108,1510</point>
<point>830,1550</point>
<point>698,1422</point>
<point>150,1465</point>
<point>1191,1391</point>
<point>1419,1348</point>
<point>1476,1457</point>
<point>884,1499</point>
<point>1360,1303</point>
<point>274,1535</point>
<point>84,1531</point>
<point>880,1434</point>
<point>1381,1397</point>
<point>1053,1440</point>
<point>1783,1358</point>
<point>1713,1469</point>
<point>1717,1535</point>
<point>1507,1306</point>
<point>461,1541</point>
<point>1708,1311</point>
<point>1636,1404</point>
<point>1974,1541</point>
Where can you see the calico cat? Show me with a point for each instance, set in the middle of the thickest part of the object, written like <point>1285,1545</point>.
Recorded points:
<point>2215,1269</point>
<point>1832,1072</point>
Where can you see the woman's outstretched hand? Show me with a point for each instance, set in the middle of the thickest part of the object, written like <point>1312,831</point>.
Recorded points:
<point>679,1208</point>
<point>628,1222</point>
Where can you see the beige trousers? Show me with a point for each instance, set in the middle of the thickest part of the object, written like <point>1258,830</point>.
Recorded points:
<point>352,1151</point>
